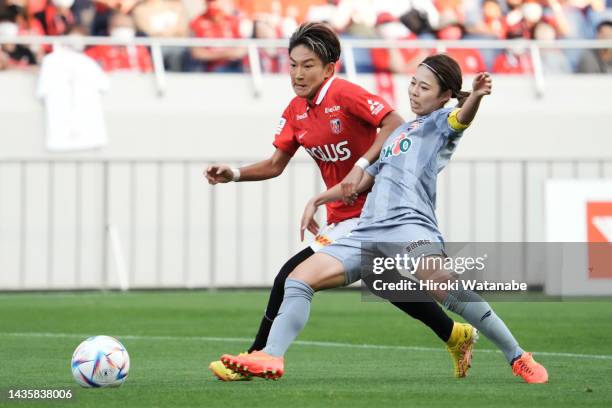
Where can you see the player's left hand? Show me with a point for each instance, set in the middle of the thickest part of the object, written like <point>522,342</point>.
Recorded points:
<point>308,221</point>
<point>349,185</point>
<point>482,84</point>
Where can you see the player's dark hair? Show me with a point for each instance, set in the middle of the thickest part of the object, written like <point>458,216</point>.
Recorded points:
<point>448,73</point>
<point>319,38</point>
<point>602,24</point>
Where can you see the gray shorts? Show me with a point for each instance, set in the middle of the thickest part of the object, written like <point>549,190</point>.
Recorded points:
<point>357,249</point>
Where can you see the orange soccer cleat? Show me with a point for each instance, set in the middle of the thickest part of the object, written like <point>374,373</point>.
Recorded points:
<point>531,371</point>
<point>258,364</point>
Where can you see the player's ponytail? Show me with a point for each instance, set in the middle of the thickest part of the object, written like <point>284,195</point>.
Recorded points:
<point>461,97</point>
<point>448,74</point>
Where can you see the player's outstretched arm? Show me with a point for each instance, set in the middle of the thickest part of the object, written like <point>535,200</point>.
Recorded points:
<point>350,183</point>
<point>263,170</point>
<point>480,87</point>
<point>333,194</point>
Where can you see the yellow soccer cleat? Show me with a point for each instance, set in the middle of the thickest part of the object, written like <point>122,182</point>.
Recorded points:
<point>225,374</point>
<point>460,346</point>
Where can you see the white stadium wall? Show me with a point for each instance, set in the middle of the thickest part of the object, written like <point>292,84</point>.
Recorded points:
<point>139,207</point>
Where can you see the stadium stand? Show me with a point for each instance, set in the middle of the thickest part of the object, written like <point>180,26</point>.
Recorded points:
<point>352,19</point>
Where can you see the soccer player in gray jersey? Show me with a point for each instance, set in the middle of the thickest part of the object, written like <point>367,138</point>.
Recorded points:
<point>400,208</point>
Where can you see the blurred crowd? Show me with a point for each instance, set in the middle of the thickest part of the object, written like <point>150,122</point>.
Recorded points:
<point>276,19</point>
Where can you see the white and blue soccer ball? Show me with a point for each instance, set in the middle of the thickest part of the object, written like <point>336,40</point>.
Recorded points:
<point>100,361</point>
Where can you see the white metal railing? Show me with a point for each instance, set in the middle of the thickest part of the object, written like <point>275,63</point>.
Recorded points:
<point>348,45</point>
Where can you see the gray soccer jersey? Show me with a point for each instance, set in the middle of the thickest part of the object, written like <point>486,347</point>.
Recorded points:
<point>401,206</point>
<point>406,172</point>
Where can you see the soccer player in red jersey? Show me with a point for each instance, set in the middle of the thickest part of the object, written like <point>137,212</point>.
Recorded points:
<point>336,122</point>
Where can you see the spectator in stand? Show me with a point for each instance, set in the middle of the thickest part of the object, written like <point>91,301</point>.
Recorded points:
<point>283,23</point>
<point>56,18</point>
<point>515,60</point>
<point>451,12</point>
<point>161,18</point>
<point>28,25</point>
<point>598,61</point>
<point>295,9</point>
<point>121,57</point>
<point>17,11</point>
<point>351,19</point>
<point>513,13</point>
<point>492,24</point>
<point>580,16</point>
<point>487,23</point>
<point>395,60</point>
<point>272,59</point>
<point>470,60</point>
<point>324,13</point>
<point>422,18</point>
<point>104,10</point>
<point>554,61</point>
<point>388,61</point>
<point>164,18</point>
<point>83,11</point>
<point>356,18</point>
<point>13,56</point>
<point>217,23</point>
<point>522,22</point>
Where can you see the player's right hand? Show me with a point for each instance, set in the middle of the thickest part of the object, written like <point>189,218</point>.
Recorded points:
<point>482,84</point>
<point>349,185</point>
<point>308,221</point>
<point>218,173</point>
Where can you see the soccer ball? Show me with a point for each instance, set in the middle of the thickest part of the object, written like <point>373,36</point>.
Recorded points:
<point>100,361</point>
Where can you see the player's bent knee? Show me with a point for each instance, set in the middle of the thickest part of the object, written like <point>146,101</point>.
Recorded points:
<point>320,272</point>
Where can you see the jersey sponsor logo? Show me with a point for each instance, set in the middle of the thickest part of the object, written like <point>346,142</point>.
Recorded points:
<point>280,126</point>
<point>301,116</point>
<point>375,107</point>
<point>301,136</point>
<point>336,126</point>
<point>332,109</point>
<point>400,145</point>
<point>330,152</point>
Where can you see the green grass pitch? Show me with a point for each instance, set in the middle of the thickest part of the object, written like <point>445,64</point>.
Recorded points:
<point>352,353</point>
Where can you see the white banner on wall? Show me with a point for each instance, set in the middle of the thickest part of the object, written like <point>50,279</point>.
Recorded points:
<point>579,215</point>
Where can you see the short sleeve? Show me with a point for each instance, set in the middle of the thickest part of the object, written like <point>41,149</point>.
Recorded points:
<point>451,130</point>
<point>447,123</point>
<point>365,105</point>
<point>284,136</point>
<point>373,168</point>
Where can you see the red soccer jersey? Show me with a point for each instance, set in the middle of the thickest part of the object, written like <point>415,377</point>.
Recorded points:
<point>336,131</point>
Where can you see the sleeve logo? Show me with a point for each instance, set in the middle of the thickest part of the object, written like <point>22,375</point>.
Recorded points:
<point>375,107</point>
<point>280,126</point>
